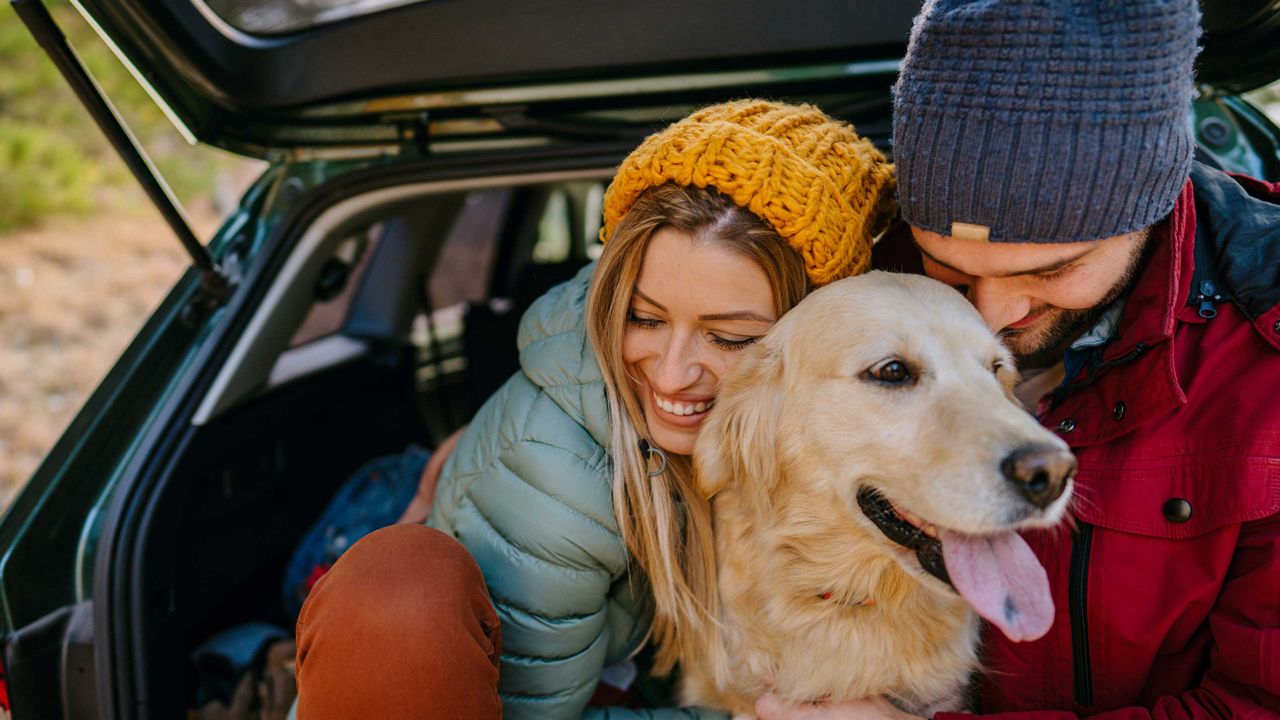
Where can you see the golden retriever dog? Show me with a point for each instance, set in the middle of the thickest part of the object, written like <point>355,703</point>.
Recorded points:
<point>869,470</point>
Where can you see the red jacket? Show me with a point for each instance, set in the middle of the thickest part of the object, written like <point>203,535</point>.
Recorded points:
<point>1168,588</point>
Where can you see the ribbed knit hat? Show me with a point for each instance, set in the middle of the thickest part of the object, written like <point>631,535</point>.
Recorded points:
<point>1045,121</point>
<point>823,188</point>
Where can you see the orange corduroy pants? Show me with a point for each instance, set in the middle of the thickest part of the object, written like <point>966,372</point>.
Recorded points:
<point>400,627</point>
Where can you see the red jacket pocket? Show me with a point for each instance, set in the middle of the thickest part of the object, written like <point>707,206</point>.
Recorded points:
<point>1179,497</point>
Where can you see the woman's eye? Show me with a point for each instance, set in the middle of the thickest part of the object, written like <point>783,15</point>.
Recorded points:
<point>892,372</point>
<point>642,322</point>
<point>727,344</point>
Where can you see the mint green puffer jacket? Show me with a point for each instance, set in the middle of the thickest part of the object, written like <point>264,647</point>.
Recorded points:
<point>527,491</point>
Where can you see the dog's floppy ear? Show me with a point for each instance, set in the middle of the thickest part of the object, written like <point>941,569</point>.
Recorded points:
<point>738,443</point>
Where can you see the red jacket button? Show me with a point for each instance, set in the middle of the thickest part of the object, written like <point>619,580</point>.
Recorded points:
<point>1177,510</point>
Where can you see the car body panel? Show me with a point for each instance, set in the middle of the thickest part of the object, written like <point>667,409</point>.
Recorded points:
<point>77,474</point>
<point>1241,44</point>
<point>1237,137</point>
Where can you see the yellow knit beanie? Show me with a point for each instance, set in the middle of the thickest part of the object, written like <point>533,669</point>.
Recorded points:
<point>825,190</point>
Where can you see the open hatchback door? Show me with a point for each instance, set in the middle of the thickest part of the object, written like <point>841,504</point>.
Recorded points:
<point>261,78</point>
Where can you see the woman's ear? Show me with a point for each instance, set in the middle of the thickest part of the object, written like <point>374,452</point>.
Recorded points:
<point>738,443</point>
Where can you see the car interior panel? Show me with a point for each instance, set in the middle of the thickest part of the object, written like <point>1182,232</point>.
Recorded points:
<point>420,332</point>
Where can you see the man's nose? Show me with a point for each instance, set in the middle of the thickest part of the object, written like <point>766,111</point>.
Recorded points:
<point>998,302</point>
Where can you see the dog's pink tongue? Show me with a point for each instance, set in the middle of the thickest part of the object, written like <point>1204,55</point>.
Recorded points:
<point>1001,578</point>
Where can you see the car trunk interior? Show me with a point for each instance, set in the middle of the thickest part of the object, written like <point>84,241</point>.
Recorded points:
<point>408,323</point>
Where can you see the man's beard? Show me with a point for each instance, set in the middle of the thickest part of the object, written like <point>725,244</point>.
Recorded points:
<point>1041,347</point>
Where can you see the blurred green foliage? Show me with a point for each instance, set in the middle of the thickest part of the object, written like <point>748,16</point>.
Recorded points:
<point>53,158</point>
<point>42,174</point>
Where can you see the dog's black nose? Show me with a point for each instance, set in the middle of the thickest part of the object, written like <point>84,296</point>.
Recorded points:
<point>1039,472</point>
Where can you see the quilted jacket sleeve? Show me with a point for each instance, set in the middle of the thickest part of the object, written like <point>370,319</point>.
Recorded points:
<point>526,491</point>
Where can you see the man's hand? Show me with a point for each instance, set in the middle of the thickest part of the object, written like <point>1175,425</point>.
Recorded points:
<point>420,507</point>
<point>772,707</point>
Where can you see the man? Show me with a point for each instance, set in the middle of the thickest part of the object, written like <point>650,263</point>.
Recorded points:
<point>1045,169</point>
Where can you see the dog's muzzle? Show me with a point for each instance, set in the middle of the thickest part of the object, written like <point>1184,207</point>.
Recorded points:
<point>928,550</point>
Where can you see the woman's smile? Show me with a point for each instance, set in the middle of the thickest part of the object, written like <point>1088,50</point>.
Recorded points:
<point>685,407</point>
<point>679,414</point>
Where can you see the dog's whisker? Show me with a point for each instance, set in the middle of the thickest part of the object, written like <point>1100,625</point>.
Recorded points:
<point>1079,500</point>
<point>1070,520</point>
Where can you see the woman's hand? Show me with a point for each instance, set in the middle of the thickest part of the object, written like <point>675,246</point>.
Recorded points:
<point>420,507</point>
<point>772,707</point>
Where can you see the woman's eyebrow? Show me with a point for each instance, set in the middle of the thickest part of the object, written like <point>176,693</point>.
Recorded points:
<point>740,315</point>
<point>1050,267</point>
<point>650,300</point>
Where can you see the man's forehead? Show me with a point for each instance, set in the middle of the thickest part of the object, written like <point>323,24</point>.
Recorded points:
<point>968,253</point>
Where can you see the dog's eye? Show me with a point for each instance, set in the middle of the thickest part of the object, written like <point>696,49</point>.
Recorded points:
<point>893,372</point>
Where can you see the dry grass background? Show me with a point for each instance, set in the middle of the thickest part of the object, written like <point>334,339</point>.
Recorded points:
<point>84,257</point>
<point>73,292</point>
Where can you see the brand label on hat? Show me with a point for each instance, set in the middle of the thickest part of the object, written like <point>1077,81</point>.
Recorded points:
<point>968,231</point>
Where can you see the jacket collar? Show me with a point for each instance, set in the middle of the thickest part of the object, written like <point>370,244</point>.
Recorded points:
<point>1236,223</point>
<point>1228,223</point>
<point>1141,380</point>
<point>1158,298</point>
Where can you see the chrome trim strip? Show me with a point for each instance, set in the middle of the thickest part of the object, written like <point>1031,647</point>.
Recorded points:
<point>604,88</point>
<point>180,126</point>
<point>345,11</point>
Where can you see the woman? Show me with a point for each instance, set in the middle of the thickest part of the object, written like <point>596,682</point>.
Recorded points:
<point>571,488</point>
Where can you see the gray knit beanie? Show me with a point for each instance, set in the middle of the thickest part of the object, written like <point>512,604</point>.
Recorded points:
<point>1045,121</point>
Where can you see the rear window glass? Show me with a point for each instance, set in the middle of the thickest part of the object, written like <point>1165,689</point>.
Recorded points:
<point>274,17</point>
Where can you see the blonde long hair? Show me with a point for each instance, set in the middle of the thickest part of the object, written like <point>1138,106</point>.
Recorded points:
<point>665,522</point>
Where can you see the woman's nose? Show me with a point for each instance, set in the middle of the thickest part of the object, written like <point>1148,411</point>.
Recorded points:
<point>998,302</point>
<point>678,365</point>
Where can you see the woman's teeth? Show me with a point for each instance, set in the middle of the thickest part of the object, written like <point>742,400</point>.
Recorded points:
<point>676,408</point>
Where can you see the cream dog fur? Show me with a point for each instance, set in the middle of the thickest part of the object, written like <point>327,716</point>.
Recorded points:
<point>878,395</point>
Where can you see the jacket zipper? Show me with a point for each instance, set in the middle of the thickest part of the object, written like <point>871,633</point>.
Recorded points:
<point>1078,599</point>
<point>1206,291</point>
<point>1207,298</point>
